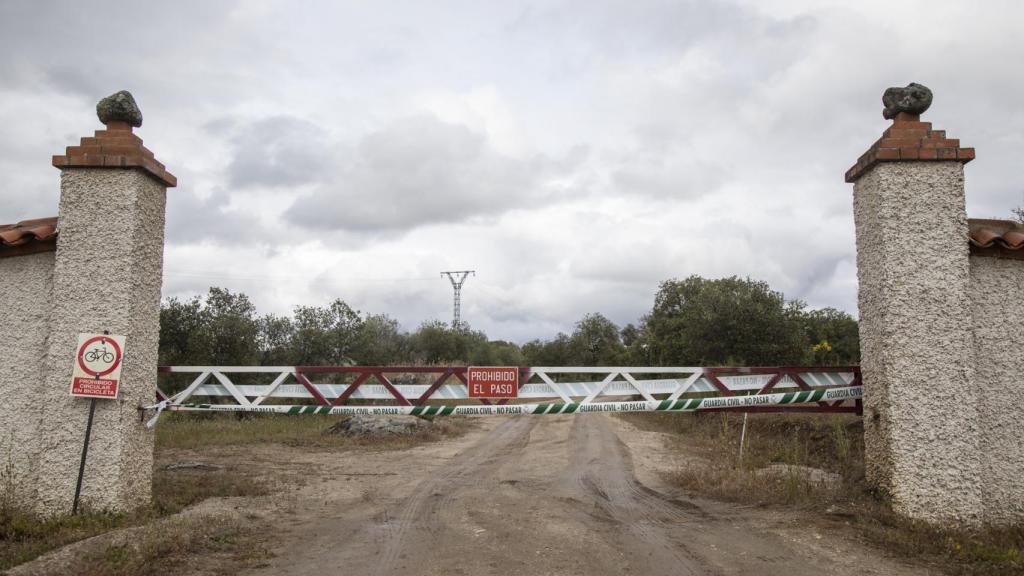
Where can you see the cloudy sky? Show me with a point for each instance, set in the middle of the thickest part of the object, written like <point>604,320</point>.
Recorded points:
<point>574,154</point>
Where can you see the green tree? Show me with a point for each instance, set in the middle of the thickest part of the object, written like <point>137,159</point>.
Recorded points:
<point>728,321</point>
<point>274,339</point>
<point>182,332</point>
<point>554,352</point>
<point>496,353</point>
<point>437,343</point>
<point>380,342</point>
<point>230,320</point>
<point>832,338</point>
<point>595,342</point>
<point>219,329</point>
<point>637,346</point>
<point>629,335</point>
<point>506,353</point>
<point>325,335</point>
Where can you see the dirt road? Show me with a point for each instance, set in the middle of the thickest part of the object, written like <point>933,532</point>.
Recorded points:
<point>538,495</point>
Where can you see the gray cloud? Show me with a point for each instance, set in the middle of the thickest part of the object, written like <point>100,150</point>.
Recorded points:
<point>276,151</point>
<point>421,171</point>
<point>192,220</point>
<point>575,153</point>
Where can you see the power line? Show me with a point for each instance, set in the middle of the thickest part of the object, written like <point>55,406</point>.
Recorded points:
<point>457,287</point>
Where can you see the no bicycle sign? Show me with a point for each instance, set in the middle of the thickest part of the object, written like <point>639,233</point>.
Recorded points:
<point>97,367</point>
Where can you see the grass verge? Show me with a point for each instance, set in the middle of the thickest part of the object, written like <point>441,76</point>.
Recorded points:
<point>192,431</point>
<point>24,537</point>
<point>830,443</point>
<point>216,542</point>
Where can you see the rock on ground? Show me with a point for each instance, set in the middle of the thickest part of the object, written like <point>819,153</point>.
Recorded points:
<point>371,425</point>
<point>805,473</point>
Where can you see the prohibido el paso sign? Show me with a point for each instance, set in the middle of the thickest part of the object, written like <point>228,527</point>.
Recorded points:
<point>97,366</point>
<point>492,381</point>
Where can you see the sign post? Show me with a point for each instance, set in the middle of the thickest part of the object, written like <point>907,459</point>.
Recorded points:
<point>493,381</point>
<point>96,374</point>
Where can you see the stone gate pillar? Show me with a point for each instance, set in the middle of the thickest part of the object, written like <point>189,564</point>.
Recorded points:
<point>107,276</point>
<point>920,417</point>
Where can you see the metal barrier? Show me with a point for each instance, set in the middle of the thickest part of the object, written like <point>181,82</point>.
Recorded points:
<point>568,389</point>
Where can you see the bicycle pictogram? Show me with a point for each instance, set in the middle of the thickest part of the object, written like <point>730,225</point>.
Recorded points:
<point>99,355</point>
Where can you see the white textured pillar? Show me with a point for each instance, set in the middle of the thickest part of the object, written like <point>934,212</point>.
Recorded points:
<point>107,276</point>
<point>921,415</point>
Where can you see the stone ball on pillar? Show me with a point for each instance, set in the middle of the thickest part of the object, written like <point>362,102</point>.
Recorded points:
<point>913,99</point>
<point>119,107</point>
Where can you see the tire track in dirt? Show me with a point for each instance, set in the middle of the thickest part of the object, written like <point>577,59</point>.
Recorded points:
<point>639,519</point>
<point>421,517</point>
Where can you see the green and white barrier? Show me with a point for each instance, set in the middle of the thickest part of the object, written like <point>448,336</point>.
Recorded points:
<point>682,405</point>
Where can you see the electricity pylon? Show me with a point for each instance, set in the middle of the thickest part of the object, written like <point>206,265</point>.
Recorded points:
<point>457,286</point>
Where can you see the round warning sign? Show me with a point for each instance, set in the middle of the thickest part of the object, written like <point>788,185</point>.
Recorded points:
<point>96,371</point>
<point>99,356</point>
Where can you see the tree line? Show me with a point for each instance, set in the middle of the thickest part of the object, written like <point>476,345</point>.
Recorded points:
<point>693,322</point>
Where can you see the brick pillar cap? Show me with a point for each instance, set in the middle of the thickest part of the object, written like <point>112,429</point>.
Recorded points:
<point>908,139</point>
<point>116,146</point>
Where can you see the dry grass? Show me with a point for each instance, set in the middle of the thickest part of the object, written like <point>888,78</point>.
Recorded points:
<point>220,543</point>
<point>24,537</point>
<point>196,431</point>
<point>173,491</point>
<point>833,443</point>
<point>827,442</point>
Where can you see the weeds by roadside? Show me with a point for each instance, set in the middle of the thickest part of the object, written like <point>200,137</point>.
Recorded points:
<point>218,541</point>
<point>196,431</point>
<point>177,490</point>
<point>816,463</point>
<point>24,536</point>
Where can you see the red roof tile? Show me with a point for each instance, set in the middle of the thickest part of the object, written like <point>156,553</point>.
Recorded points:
<point>28,237</point>
<point>998,238</point>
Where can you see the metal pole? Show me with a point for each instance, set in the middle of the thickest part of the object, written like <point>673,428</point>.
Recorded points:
<point>743,436</point>
<point>85,452</point>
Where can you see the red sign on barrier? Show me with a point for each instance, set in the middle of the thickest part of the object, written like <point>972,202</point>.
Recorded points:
<point>492,382</point>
